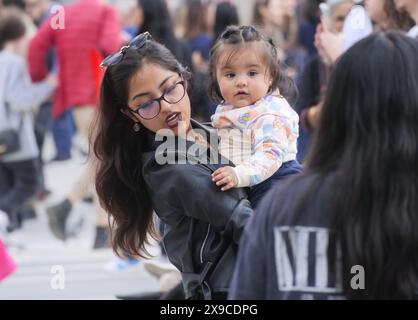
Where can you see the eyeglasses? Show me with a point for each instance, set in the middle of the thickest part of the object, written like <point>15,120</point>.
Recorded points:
<point>150,109</point>
<point>136,43</point>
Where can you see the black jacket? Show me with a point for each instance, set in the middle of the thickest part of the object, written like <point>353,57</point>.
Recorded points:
<point>203,224</point>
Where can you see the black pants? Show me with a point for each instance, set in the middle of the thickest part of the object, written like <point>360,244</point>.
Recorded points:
<point>18,183</point>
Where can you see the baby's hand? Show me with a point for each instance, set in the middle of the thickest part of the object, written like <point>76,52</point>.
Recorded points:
<point>225,176</point>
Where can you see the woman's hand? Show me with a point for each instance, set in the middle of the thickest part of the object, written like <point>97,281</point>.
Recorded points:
<point>225,177</point>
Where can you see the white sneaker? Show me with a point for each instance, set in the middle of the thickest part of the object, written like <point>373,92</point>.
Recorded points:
<point>118,265</point>
<point>15,239</point>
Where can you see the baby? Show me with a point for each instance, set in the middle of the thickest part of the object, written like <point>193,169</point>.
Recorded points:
<point>257,127</point>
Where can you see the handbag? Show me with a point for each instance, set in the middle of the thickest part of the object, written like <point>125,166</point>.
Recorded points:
<point>9,139</point>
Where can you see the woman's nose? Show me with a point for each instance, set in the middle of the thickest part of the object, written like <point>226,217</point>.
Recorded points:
<point>165,106</point>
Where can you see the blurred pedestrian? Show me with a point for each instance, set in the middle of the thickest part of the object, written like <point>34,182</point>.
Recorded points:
<point>39,11</point>
<point>158,21</point>
<point>309,19</point>
<point>19,98</point>
<point>277,19</point>
<point>226,14</point>
<point>329,40</point>
<point>315,76</point>
<point>199,25</point>
<point>386,17</point>
<point>92,30</point>
<point>199,32</point>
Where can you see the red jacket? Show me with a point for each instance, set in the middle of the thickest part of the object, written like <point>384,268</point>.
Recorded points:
<point>89,26</point>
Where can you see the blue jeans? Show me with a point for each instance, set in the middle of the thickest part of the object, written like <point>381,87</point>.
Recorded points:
<point>63,130</point>
<point>258,191</point>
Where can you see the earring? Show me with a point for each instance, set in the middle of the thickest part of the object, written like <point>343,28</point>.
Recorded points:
<point>137,127</point>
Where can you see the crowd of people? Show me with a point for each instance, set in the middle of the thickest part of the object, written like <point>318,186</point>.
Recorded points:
<point>268,157</point>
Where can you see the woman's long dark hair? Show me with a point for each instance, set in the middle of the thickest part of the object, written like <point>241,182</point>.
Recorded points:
<point>119,182</point>
<point>368,142</point>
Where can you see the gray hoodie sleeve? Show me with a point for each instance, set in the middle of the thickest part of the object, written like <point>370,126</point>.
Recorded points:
<point>21,94</point>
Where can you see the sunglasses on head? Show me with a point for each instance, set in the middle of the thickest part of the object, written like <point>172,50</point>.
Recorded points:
<point>136,43</point>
